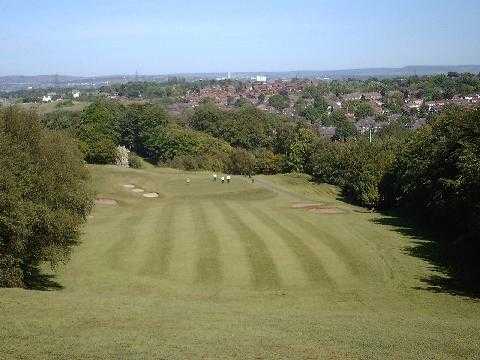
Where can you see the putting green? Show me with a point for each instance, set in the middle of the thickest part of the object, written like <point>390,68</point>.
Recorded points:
<point>275,269</point>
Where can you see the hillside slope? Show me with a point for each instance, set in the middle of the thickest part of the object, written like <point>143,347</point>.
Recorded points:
<point>280,268</point>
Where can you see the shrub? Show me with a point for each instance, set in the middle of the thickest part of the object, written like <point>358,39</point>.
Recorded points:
<point>185,162</point>
<point>267,162</point>
<point>135,161</point>
<point>242,162</point>
<point>99,151</point>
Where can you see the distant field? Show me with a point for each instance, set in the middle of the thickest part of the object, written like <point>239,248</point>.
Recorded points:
<point>45,108</point>
<point>278,269</point>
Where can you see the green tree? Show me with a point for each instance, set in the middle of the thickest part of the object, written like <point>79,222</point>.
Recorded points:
<point>437,178</point>
<point>44,199</point>
<point>279,102</point>
<point>242,162</point>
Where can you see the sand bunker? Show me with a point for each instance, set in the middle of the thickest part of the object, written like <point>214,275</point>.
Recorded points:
<point>138,190</point>
<point>306,205</point>
<point>105,201</point>
<point>151,195</point>
<point>317,208</point>
<point>129,186</point>
<point>325,210</point>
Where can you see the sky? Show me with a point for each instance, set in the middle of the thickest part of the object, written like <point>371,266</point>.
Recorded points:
<point>100,37</point>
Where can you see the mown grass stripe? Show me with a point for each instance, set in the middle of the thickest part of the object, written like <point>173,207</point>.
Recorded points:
<point>158,258</point>
<point>235,265</point>
<point>324,233</point>
<point>208,267</point>
<point>311,264</point>
<point>125,241</point>
<point>183,253</point>
<point>263,270</point>
<point>334,265</point>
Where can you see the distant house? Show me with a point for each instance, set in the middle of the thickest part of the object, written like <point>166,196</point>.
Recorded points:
<point>474,99</point>
<point>326,131</point>
<point>436,105</point>
<point>375,96</point>
<point>415,104</point>
<point>47,98</point>
<point>364,125</point>
<point>352,96</point>
<point>418,123</point>
<point>372,96</point>
<point>75,94</point>
<point>334,103</point>
<point>261,78</point>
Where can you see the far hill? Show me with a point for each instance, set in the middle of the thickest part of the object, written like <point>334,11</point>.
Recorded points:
<point>18,82</point>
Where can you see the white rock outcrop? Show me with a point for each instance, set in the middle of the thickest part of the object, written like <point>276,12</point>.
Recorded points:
<point>122,156</point>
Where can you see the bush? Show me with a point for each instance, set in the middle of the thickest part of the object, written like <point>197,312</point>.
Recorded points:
<point>135,161</point>
<point>10,272</point>
<point>99,151</point>
<point>241,162</point>
<point>190,149</point>
<point>267,162</point>
<point>99,130</point>
<point>185,162</point>
<point>44,199</point>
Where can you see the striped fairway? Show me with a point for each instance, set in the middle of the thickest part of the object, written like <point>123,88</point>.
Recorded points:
<point>231,241</point>
<point>235,271</point>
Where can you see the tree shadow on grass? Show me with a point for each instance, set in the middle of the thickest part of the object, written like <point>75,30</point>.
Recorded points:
<point>36,280</point>
<point>430,247</point>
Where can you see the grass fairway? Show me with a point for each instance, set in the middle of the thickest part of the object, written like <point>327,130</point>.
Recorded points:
<point>240,270</point>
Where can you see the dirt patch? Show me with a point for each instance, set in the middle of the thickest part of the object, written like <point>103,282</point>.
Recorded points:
<point>151,195</point>
<point>307,205</point>
<point>106,201</point>
<point>138,190</point>
<point>326,210</point>
<point>317,208</point>
<point>129,186</point>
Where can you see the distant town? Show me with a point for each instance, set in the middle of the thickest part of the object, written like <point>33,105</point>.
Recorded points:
<point>368,104</point>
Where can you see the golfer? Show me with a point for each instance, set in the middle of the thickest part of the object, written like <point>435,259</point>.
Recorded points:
<point>214,177</point>
<point>228,178</point>
<point>188,180</point>
<point>223,179</point>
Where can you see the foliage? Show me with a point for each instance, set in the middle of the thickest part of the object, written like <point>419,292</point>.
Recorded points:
<point>44,197</point>
<point>242,162</point>
<point>135,161</point>
<point>246,127</point>
<point>437,178</point>
<point>192,150</point>
<point>139,124</point>
<point>267,162</point>
<point>100,131</point>
<point>62,120</point>
<point>279,101</point>
<point>360,108</point>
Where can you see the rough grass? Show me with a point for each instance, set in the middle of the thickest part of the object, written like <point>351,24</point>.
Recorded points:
<point>211,270</point>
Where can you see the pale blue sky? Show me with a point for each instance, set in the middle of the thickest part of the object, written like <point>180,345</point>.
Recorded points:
<point>93,37</point>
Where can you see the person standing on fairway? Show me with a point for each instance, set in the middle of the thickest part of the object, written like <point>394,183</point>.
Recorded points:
<point>228,178</point>
<point>188,180</point>
<point>223,179</point>
<point>214,177</point>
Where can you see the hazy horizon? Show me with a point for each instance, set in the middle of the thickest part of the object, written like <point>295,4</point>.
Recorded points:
<point>244,72</point>
<point>93,38</point>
